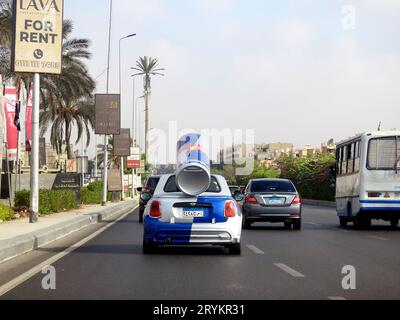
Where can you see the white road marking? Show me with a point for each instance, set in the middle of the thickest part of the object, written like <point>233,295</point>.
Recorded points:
<point>342,230</point>
<point>314,224</point>
<point>337,298</point>
<point>255,249</point>
<point>37,269</point>
<point>377,238</point>
<point>289,270</point>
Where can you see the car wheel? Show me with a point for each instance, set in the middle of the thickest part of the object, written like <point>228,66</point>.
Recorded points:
<point>235,249</point>
<point>394,223</point>
<point>149,248</point>
<point>246,224</point>
<point>141,217</point>
<point>288,225</point>
<point>343,222</point>
<point>297,225</point>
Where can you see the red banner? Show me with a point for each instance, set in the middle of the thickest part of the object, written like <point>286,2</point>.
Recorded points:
<point>28,121</point>
<point>12,131</point>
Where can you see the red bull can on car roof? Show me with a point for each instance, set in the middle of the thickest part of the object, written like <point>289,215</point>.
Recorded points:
<point>193,175</point>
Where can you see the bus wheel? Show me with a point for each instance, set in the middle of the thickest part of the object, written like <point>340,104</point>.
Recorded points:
<point>343,222</point>
<point>394,223</point>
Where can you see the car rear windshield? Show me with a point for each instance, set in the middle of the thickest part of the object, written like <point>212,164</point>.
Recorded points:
<point>171,186</point>
<point>152,183</point>
<point>272,186</point>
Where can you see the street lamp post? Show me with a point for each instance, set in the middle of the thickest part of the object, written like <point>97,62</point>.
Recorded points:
<point>120,94</point>
<point>105,160</point>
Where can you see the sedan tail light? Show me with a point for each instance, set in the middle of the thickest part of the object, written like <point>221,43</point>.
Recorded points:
<point>155,209</point>
<point>251,200</point>
<point>296,200</point>
<point>230,209</point>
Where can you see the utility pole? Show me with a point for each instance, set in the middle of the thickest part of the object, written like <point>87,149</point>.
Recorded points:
<point>105,162</point>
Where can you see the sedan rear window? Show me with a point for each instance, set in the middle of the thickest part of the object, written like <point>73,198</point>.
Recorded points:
<point>272,186</point>
<point>171,186</point>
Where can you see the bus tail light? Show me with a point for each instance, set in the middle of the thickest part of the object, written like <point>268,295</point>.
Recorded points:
<point>230,209</point>
<point>155,209</point>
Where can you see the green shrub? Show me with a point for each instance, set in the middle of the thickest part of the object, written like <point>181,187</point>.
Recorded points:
<point>50,201</point>
<point>93,194</point>
<point>6,213</point>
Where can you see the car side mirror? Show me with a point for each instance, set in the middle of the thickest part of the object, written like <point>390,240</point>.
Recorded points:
<point>238,196</point>
<point>139,189</point>
<point>145,196</point>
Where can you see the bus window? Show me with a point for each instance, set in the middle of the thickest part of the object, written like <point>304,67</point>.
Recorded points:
<point>383,153</point>
<point>357,157</point>
<point>350,158</point>
<point>339,161</point>
<point>344,160</point>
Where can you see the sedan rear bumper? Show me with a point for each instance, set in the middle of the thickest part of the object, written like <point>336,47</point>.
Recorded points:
<point>272,214</point>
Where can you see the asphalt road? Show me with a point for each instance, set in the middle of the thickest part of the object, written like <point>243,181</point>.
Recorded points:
<point>275,264</point>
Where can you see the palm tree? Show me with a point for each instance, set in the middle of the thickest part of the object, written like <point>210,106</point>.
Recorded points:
<point>147,67</point>
<point>61,120</point>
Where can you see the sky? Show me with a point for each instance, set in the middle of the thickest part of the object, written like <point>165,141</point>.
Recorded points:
<point>300,71</point>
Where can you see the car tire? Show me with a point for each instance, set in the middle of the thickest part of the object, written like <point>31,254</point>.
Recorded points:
<point>149,248</point>
<point>394,223</point>
<point>246,224</point>
<point>297,224</point>
<point>235,249</point>
<point>288,225</point>
<point>343,222</point>
<point>141,217</point>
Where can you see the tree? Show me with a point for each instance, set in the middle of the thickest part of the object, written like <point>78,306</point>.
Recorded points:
<point>147,67</point>
<point>61,120</point>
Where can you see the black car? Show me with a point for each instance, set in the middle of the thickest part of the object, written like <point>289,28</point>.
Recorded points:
<point>146,194</point>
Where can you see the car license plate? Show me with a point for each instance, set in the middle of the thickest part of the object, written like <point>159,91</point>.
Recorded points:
<point>275,201</point>
<point>193,213</point>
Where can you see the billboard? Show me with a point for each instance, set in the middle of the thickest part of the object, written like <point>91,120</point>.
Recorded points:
<point>37,43</point>
<point>122,143</point>
<point>108,114</point>
<point>114,180</point>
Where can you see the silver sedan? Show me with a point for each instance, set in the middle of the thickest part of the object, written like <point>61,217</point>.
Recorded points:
<point>272,200</point>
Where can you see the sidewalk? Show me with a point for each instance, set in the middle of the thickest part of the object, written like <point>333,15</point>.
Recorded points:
<point>19,236</point>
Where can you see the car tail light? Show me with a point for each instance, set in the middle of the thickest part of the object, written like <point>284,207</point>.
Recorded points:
<point>155,210</point>
<point>296,200</point>
<point>230,209</point>
<point>251,200</point>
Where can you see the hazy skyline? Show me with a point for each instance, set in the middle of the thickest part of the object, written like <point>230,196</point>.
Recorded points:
<point>288,69</point>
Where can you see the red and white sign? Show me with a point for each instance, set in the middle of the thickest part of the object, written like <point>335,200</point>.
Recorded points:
<point>10,103</point>
<point>28,121</point>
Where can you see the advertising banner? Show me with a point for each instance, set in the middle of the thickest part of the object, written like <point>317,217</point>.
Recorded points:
<point>37,36</point>
<point>28,121</point>
<point>12,131</point>
<point>122,143</point>
<point>114,180</point>
<point>108,114</point>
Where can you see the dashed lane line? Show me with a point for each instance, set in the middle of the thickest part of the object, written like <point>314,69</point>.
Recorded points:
<point>377,238</point>
<point>337,298</point>
<point>255,249</point>
<point>289,270</point>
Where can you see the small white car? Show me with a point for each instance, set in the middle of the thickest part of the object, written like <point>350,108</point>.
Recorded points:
<point>172,218</point>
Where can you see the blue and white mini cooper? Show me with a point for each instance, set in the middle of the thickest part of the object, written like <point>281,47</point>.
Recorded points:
<point>172,218</point>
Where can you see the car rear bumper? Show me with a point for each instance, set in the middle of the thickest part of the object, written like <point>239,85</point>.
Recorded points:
<point>163,233</point>
<point>278,214</point>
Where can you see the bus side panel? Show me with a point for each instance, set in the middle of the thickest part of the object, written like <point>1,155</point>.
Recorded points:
<point>348,191</point>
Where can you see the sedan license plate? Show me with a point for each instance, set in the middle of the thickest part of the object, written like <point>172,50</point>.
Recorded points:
<point>276,201</point>
<point>193,213</point>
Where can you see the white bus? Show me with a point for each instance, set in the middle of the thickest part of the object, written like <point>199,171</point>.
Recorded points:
<point>368,179</point>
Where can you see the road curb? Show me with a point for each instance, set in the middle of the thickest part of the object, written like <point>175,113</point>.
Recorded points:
<point>19,245</point>
<point>319,203</point>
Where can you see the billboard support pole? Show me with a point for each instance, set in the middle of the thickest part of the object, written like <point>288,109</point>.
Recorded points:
<point>34,197</point>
